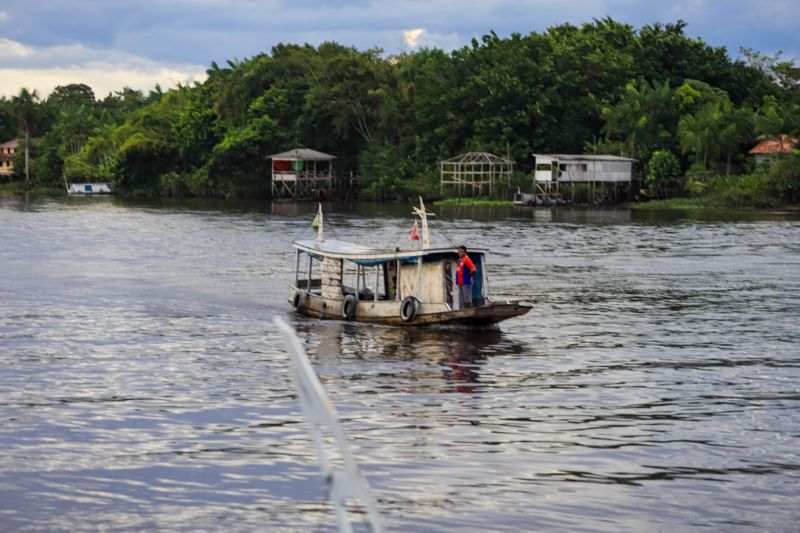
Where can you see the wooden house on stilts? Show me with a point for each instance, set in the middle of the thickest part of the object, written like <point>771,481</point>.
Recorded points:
<point>600,179</point>
<point>301,174</point>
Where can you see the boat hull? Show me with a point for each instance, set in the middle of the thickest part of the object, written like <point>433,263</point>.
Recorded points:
<point>388,313</point>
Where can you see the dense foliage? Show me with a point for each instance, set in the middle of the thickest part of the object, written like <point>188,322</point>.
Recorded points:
<point>664,172</point>
<point>653,94</point>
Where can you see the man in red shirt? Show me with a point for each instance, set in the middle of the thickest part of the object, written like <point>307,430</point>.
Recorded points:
<point>465,269</point>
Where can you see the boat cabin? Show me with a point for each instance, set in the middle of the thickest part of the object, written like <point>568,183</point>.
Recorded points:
<point>333,269</point>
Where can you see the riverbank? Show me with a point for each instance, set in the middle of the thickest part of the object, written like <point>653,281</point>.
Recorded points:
<point>469,202</point>
<point>705,202</point>
<point>19,187</point>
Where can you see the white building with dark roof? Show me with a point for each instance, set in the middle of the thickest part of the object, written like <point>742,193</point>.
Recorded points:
<point>582,168</point>
<point>557,175</point>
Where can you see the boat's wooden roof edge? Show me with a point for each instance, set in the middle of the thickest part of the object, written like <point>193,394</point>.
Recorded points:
<point>349,250</point>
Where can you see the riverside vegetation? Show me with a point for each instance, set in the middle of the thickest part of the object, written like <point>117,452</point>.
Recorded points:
<point>685,110</point>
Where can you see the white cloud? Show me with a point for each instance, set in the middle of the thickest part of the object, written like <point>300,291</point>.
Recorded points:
<point>447,42</point>
<point>103,79</point>
<point>411,37</point>
<point>104,71</point>
<point>12,49</point>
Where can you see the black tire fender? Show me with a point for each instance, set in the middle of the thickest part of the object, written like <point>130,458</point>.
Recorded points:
<point>409,308</point>
<point>349,305</point>
<point>300,301</point>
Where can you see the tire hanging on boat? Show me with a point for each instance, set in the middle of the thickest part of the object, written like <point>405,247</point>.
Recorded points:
<point>349,307</point>
<point>300,301</point>
<point>409,308</point>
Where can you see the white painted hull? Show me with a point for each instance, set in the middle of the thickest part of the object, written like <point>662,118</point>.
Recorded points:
<point>89,188</point>
<point>389,311</point>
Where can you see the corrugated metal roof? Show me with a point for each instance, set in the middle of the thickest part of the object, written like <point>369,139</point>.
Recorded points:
<point>584,157</point>
<point>10,144</point>
<point>302,154</point>
<point>775,146</point>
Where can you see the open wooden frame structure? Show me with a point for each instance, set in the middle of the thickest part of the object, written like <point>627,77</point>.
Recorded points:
<point>474,170</point>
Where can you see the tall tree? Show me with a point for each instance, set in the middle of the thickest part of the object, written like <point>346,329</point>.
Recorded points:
<point>25,108</point>
<point>74,94</point>
<point>771,120</point>
<point>8,125</point>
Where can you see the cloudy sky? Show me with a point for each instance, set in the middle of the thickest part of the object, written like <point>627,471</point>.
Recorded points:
<point>111,44</point>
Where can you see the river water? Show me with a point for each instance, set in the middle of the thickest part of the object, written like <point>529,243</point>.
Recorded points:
<point>654,387</point>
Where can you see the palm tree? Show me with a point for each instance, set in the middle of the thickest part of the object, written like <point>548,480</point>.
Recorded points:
<point>24,107</point>
<point>639,118</point>
<point>693,133</point>
<point>770,120</point>
<point>713,131</point>
<point>737,130</point>
<point>702,132</point>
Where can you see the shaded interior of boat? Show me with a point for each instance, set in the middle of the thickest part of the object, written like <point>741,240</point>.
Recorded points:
<point>376,279</point>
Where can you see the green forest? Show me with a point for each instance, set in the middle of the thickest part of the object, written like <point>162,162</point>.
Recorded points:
<point>685,110</point>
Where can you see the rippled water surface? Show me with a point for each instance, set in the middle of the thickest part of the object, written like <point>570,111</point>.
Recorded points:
<point>655,386</point>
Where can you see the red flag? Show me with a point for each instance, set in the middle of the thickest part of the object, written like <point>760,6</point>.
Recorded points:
<point>414,232</point>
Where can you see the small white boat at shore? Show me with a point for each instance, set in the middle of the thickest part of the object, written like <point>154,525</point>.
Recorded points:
<point>89,188</point>
<point>342,280</point>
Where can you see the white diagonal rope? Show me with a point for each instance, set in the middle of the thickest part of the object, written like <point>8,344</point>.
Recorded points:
<point>344,481</point>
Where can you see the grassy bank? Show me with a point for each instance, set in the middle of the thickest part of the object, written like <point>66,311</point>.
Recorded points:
<point>20,187</point>
<point>464,202</point>
<point>7,189</point>
<point>681,203</point>
<point>769,186</point>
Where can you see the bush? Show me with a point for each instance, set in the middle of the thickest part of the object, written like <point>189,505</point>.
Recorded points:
<point>195,183</point>
<point>751,190</point>
<point>522,181</point>
<point>696,187</point>
<point>784,176</point>
<point>664,172</point>
<point>426,184</point>
<point>699,173</point>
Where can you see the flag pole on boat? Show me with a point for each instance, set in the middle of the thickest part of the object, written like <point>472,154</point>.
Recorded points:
<point>423,215</point>
<point>318,224</point>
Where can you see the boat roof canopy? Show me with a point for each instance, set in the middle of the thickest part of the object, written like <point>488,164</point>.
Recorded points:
<point>367,256</point>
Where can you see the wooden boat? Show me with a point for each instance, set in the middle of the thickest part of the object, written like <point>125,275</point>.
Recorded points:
<point>342,280</point>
